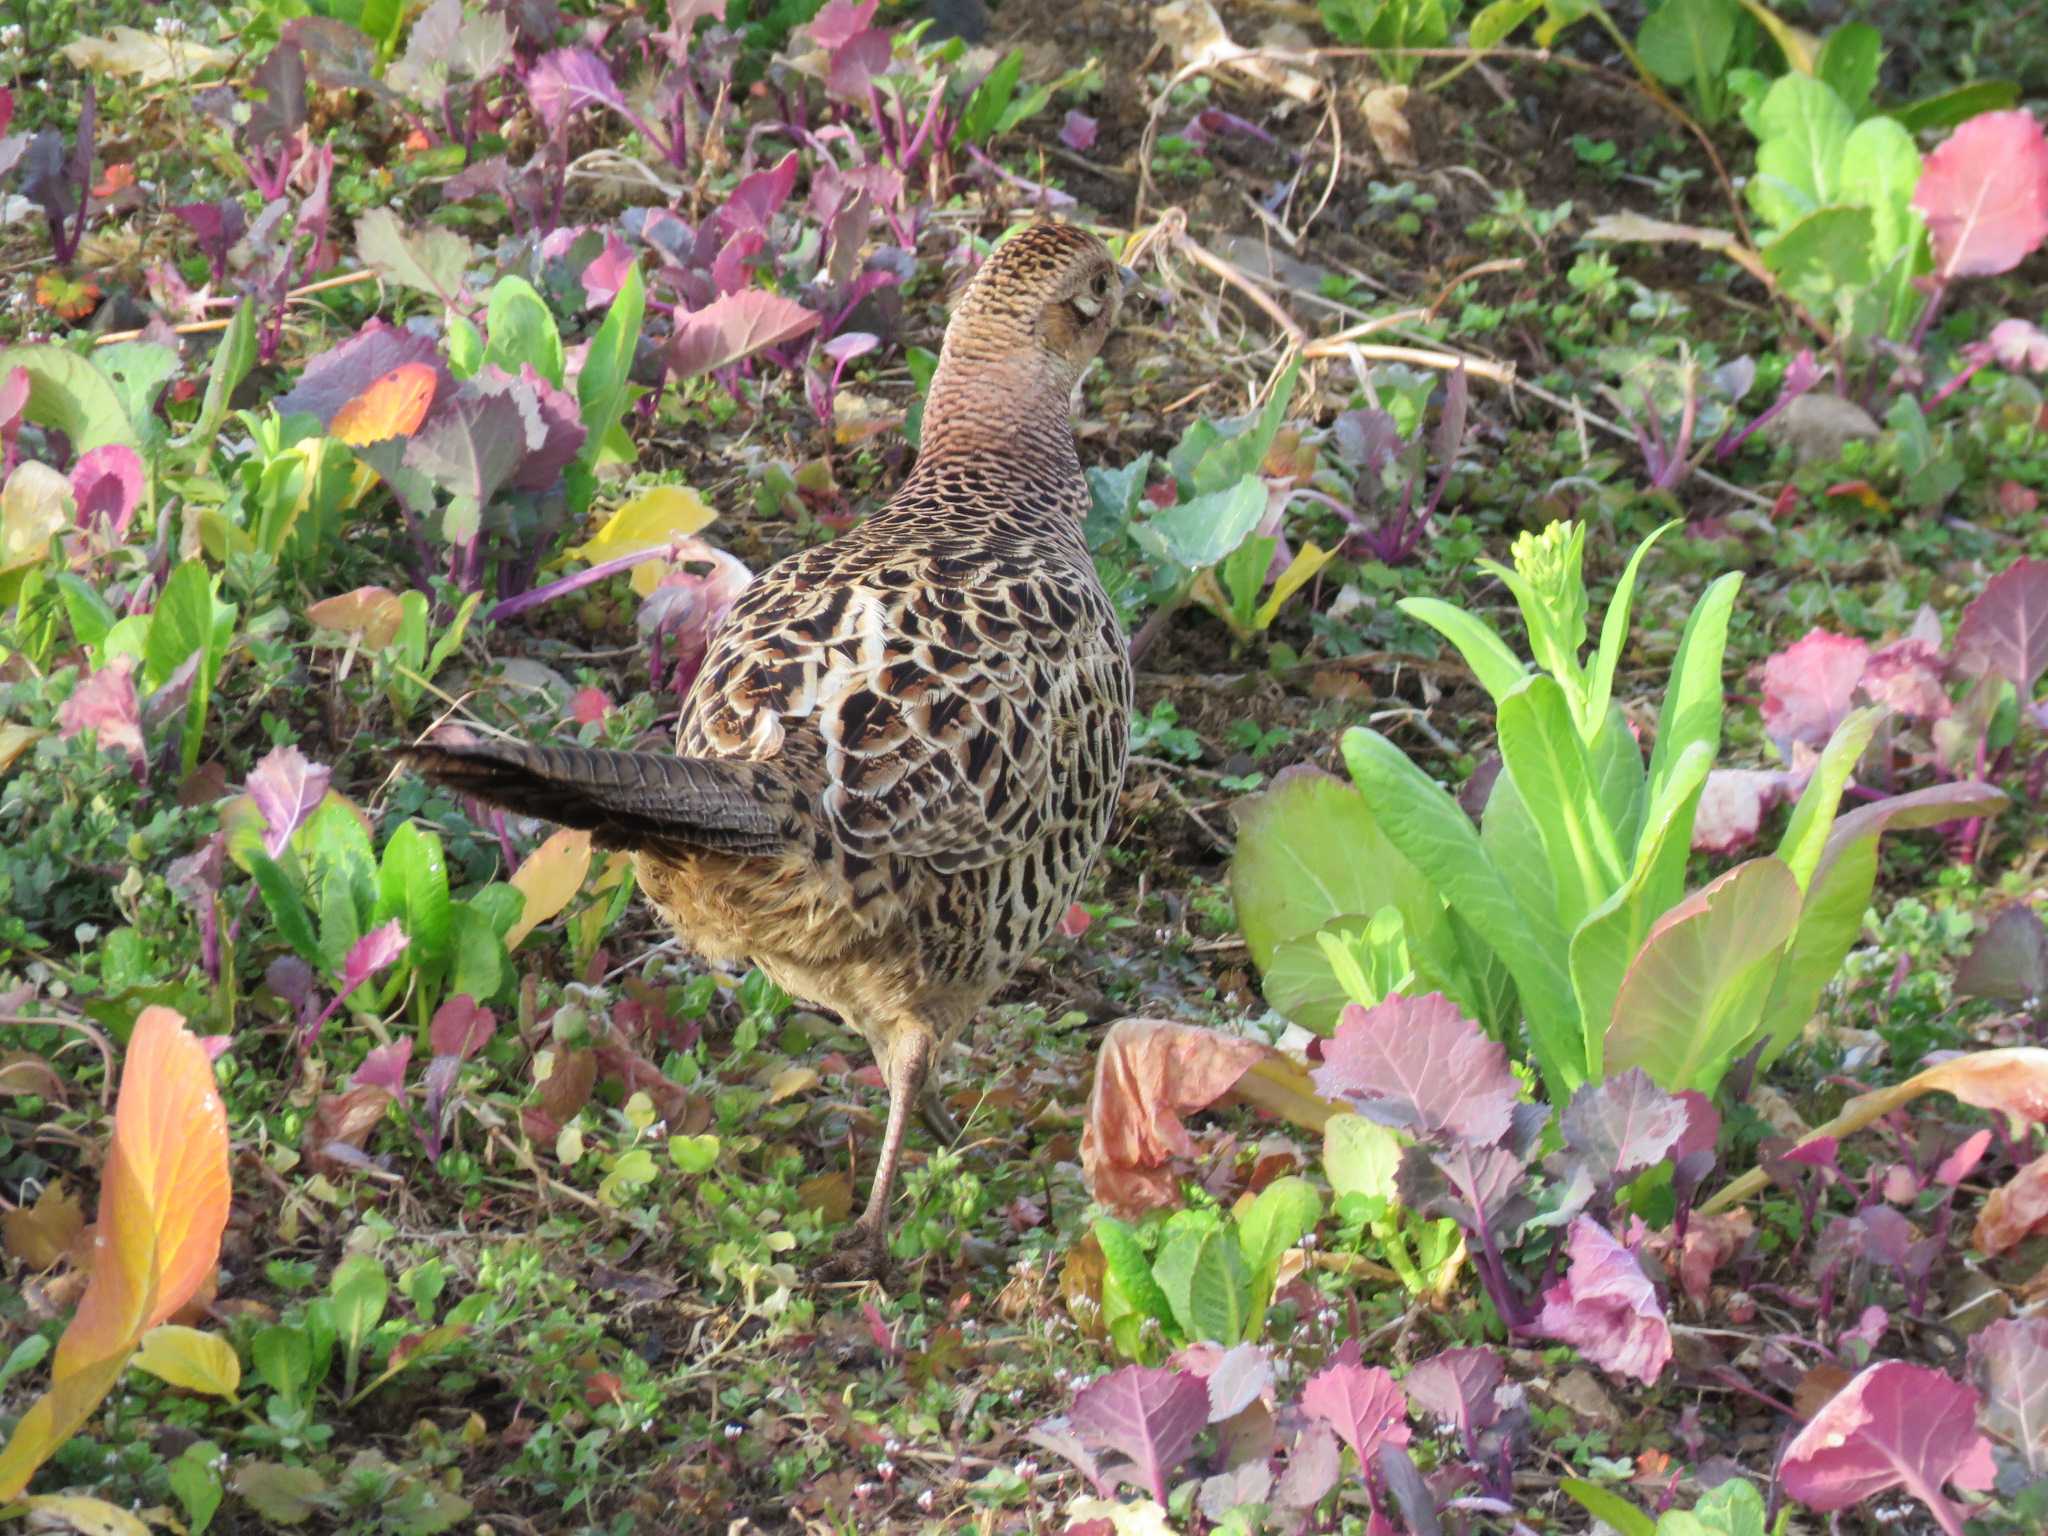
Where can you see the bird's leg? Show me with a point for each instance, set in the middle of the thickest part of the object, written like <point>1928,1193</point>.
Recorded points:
<point>864,1252</point>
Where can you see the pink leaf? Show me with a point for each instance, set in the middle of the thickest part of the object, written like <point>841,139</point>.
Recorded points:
<point>729,270</point>
<point>385,1067</point>
<point>1458,1387</point>
<point>1959,1164</point>
<point>567,80</point>
<point>758,198</point>
<point>287,789</point>
<point>1076,921</point>
<point>1894,1426</point>
<point>1078,132</point>
<point>2005,630</point>
<point>371,954</point>
<point>2009,1361</point>
<point>840,21</point>
<point>1910,677</point>
<point>1734,803</point>
<point>2019,345</point>
<point>107,485</point>
<point>1606,1308</point>
<point>105,704</point>
<point>1149,1415</point>
<point>1237,1377</point>
<point>1363,1404</point>
<point>1984,194</point>
<point>460,1028</point>
<point>1417,1064</point>
<point>1809,688</point>
<point>589,705</point>
<point>734,327</point>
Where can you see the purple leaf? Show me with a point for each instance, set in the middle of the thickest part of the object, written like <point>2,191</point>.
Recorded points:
<point>385,1067</point>
<point>2005,631</point>
<point>105,704</point>
<point>1362,1403</point>
<point>734,327</point>
<point>1484,1186</point>
<point>549,419</point>
<point>107,485</point>
<point>1149,1415</point>
<point>1457,1388</point>
<point>1622,1125</point>
<point>371,954</point>
<point>568,80</point>
<point>287,789</point>
<point>1410,1492</point>
<point>1606,1308</point>
<point>339,375</point>
<point>2009,1361</point>
<point>2010,962</point>
<point>1419,1065</point>
<point>839,22</point>
<point>471,446</point>
<point>1059,1436</point>
<point>292,980</point>
<point>758,198</point>
<point>1894,1426</point>
<point>1810,687</point>
<point>1078,132</point>
<point>1313,1467</point>
<point>729,268</point>
<point>460,1028</point>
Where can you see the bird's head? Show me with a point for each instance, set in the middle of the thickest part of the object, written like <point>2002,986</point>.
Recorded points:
<point>1043,303</point>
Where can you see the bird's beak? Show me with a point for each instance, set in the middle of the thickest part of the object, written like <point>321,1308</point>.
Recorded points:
<point>1129,276</point>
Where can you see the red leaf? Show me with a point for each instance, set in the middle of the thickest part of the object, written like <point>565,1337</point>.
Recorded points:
<point>1606,1308</point>
<point>1959,1164</point>
<point>589,706</point>
<point>2005,630</point>
<point>1149,1415</point>
<point>1363,1404</point>
<point>1148,1074</point>
<point>1984,194</point>
<point>1810,687</point>
<point>385,1067</point>
<point>1076,922</point>
<point>287,789</point>
<point>1417,1064</point>
<point>1893,1426</point>
<point>734,327</point>
<point>461,1028</point>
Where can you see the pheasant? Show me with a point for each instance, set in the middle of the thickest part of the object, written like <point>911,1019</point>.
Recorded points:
<point>904,746</point>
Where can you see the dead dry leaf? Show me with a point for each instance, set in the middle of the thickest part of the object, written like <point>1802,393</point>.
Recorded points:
<point>39,1234</point>
<point>1386,119</point>
<point>1148,1074</point>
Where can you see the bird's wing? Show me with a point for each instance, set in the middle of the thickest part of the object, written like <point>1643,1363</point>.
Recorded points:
<point>955,716</point>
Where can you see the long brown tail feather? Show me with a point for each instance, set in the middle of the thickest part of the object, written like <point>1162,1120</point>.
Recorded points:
<point>638,801</point>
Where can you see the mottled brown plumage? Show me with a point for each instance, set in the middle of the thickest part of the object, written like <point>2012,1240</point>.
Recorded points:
<point>904,747</point>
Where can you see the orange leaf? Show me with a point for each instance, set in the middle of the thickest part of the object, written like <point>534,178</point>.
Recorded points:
<point>73,298</point>
<point>394,406</point>
<point>163,1206</point>
<point>117,179</point>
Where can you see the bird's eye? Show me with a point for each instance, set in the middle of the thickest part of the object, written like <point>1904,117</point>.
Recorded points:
<point>1102,285</point>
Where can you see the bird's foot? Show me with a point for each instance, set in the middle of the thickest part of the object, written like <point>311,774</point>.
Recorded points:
<point>862,1253</point>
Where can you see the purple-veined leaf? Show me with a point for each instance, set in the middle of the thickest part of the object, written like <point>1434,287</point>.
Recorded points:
<point>1622,1125</point>
<point>1893,1426</point>
<point>105,704</point>
<point>549,418</point>
<point>2005,630</point>
<point>1418,1064</point>
<point>1363,1404</point>
<point>1410,1493</point>
<point>1147,1414</point>
<point>1469,1185</point>
<point>733,327</point>
<point>343,373</point>
<point>1457,1387</point>
<point>107,485</point>
<point>1984,194</point>
<point>1058,1435</point>
<point>460,1028</point>
<point>370,954</point>
<point>2010,962</point>
<point>1606,1308</point>
<point>472,446</point>
<point>848,345</point>
<point>730,269</point>
<point>292,980</point>
<point>385,1067</point>
<point>287,789</point>
<point>2009,1363</point>
<point>1810,687</point>
<point>566,81</point>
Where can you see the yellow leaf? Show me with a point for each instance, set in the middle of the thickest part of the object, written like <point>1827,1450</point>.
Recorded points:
<point>38,1235</point>
<point>185,1357</point>
<point>550,877</point>
<point>144,57</point>
<point>1306,562</point>
<point>370,614</point>
<point>1801,48</point>
<point>35,504</point>
<point>790,1082</point>
<point>87,1516</point>
<point>163,1206</point>
<point>649,520</point>
<point>15,740</point>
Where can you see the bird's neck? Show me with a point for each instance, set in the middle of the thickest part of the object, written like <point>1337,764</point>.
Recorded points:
<point>1013,407</point>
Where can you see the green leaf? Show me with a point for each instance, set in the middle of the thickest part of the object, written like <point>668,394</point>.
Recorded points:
<point>433,262</point>
<point>1279,1215</point>
<point>67,392</point>
<point>197,1485</point>
<point>1619,780</point>
<point>1688,42</point>
<point>1543,751</point>
<point>1127,1264</point>
<point>283,1357</point>
<point>287,909</point>
<point>1613,635</point>
<point>1693,997</point>
<point>1425,823</point>
<point>1806,834</point>
<point>1946,109</point>
<point>522,330</point>
<point>232,360</point>
<point>1605,1504</point>
<point>1880,169</point>
<point>90,614</point>
<point>1849,62</point>
<point>481,968</point>
<point>187,619</point>
<point>1495,22</point>
<point>359,1292</point>
<point>1361,1156</point>
<point>1732,1508</point>
<point>1203,1272</point>
<point>1693,697</point>
<point>139,370</point>
<point>985,107</point>
<point>1197,534</point>
<point>1216,457</point>
<point>1497,667</point>
<point>1803,128</point>
<point>412,886</point>
<point>605,384</point>
<point>1611,936</point>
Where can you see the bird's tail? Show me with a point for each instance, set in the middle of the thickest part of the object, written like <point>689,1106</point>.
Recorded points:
<point>638,801</point>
